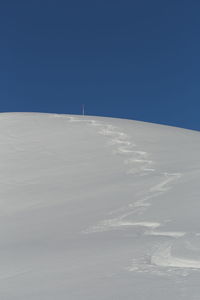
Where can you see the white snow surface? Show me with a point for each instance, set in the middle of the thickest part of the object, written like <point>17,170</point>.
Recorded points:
<point>98,209</point>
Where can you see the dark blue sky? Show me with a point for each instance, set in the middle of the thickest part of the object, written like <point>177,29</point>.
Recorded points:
<point>136,59</point>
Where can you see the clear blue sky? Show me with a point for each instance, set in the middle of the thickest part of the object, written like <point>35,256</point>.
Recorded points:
<point>135,59</point>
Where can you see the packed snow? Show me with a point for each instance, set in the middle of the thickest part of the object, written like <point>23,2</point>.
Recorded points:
<point>98,209</point>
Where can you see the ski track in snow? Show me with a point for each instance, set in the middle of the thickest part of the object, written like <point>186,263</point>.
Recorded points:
<point>138,163</point>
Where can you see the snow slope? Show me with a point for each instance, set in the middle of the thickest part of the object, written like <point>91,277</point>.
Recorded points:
<point>98,208</point>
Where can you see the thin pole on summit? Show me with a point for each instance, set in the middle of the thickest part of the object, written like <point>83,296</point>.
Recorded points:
<point>83,109</point>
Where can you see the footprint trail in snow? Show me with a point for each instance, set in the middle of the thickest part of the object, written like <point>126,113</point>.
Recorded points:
<point>138,163</point>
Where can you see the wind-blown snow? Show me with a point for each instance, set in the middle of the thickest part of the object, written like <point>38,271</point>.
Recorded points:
<point>98,208</point>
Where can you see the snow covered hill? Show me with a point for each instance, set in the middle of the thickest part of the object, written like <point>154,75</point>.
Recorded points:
<point>98,209</point>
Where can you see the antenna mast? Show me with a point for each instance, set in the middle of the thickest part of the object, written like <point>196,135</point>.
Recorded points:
<point>83,109</point>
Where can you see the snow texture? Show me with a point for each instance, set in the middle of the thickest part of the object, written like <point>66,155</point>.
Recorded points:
<point>98,209</point>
